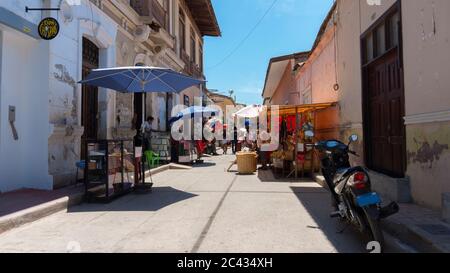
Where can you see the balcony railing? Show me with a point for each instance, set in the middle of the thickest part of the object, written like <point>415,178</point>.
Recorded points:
<point>197,72</point>
<point>153,10</point>
<point>160,14</point>
<point>191,67</point>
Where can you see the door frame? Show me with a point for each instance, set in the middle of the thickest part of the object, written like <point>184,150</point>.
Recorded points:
<point>90,66</point>
<point>395,8</point>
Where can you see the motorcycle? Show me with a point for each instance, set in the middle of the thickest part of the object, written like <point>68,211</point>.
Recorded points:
<point>350,187</point>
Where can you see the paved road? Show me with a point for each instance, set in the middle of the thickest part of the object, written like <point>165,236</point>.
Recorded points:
<point>201,210</point>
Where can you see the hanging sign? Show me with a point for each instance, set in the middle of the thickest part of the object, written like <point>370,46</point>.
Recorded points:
<point>48,28</point>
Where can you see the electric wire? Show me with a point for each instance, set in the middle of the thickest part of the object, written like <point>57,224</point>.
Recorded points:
<point>245,38</point>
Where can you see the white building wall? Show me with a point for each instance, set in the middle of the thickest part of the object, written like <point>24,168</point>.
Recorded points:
<point>23,84</point>
<point>42,84</point>
<point>48,97</point>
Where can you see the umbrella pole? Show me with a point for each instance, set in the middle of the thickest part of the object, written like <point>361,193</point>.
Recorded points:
<point>143,184</point>
<point>144,112</point>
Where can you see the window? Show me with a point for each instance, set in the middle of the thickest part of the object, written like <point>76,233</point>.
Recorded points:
<point>384,37</point>
<point>182,32</point>
<point>193,46</point>
<point>381,40</point>
<point>393,30</point>
<point>306,96</point>
<point>186,100</point>
<point>369,47</point>
<point>200,55</point>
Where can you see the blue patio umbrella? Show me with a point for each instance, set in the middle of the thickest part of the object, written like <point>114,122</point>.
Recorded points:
<point>192,111</point>
<point>140,79</point>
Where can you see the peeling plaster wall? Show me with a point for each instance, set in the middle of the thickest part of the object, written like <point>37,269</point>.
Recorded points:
<point>426,38</point>
<point>64,100</point>
<point>428,162</point>
<point>124,110</point>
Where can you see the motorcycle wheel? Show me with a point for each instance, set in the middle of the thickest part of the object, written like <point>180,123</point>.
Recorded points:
<point>375,226</point>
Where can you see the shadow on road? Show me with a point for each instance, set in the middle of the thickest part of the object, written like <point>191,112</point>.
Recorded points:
<point>317,201</point>
<point>160,198</point>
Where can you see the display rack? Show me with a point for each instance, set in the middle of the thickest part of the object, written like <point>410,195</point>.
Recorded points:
<point>112,169</point>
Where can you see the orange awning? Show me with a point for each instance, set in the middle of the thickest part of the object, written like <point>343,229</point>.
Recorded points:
<point>293,109</point>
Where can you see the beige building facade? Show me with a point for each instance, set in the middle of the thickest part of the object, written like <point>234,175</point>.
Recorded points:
<point>393,72</point>
<point>386,63</point>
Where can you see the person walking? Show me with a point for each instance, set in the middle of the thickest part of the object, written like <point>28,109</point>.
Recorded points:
<point>147,128</point>
<point>234,141</point>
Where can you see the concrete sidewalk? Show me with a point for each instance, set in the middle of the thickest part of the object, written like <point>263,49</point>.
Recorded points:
<point>28,205</point>
<point>420,228</point>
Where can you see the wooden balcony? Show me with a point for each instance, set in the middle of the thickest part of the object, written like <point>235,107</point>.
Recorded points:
<point>151,11</point>
<point>191,68</point>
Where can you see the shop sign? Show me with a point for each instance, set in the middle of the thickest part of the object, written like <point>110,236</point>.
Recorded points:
<point>48,28</point>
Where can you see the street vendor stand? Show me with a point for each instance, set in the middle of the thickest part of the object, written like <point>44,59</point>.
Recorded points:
<point>187,147</point>
<point>297,127</point>
<point>135,79</point>
<point>111,169</point>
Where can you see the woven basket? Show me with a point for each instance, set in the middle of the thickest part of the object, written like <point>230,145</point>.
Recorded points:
<point>246,162</point>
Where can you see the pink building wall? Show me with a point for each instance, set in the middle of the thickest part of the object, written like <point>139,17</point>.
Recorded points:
<point>318,74</point>
<point>286,92</point>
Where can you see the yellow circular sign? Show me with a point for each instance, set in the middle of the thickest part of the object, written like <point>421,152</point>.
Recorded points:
<point>48,28</point>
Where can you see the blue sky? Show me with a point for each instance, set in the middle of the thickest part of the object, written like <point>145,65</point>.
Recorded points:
<point>291,26</point>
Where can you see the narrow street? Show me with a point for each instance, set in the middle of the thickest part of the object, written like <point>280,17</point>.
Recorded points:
<point>201,210</point>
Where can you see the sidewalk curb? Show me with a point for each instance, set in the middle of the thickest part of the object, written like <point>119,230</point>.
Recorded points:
<point>35,213</point>
<point>412,236</point>
<point>32,214</point>
<point>171,166</point>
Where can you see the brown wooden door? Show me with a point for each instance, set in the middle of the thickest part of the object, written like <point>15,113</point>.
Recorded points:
<point>89,95</point>
<point>386,112</point>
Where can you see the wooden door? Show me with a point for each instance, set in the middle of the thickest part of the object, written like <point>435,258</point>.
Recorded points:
<point>386,112</point>
<point>89,94</point>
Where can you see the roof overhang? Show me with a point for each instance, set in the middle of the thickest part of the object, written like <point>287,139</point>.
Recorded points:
<point>276,69</point>
<point>273,78</point>
<point>203,13</point>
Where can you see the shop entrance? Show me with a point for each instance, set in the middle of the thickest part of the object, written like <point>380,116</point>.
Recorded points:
<point>138,111</point>
<point>89,95</point>
<point>384,101</point>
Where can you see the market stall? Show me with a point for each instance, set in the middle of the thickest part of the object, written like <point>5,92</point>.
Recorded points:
<point>298,126</point>
<point>187,147</point>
